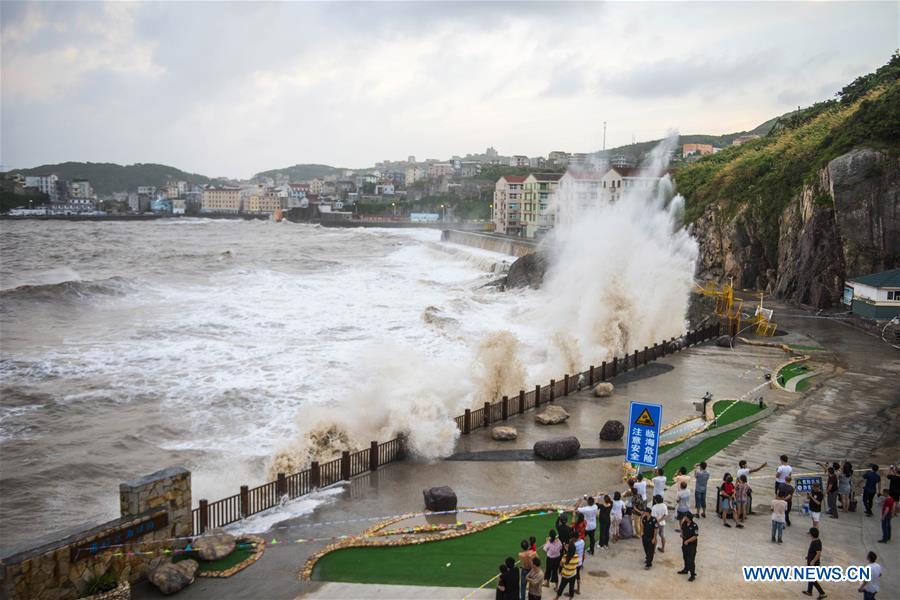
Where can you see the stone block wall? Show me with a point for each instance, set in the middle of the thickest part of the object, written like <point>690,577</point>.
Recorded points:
<point>52,571</point>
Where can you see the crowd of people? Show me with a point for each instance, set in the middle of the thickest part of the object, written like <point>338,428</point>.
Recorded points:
<point>640,511</point>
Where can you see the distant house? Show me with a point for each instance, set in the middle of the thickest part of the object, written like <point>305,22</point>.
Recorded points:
<point>875,296</point>
<point>695,149</point>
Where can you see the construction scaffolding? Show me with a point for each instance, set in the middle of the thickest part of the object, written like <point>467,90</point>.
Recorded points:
<point>729,309</point>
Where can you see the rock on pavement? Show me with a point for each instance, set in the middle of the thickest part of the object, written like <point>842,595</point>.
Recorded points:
<point>441,498</point>
<point>173,577</point>
<point>504,433</point>
<point>552,415</point>
<point>558,448</point>
<point>214,545</point>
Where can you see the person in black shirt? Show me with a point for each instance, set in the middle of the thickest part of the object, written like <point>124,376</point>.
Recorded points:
<point>511,585</point>
<point>689,533</point>
<point>894,483</point>
<point>648,537</point>
<point>563,531</point>
<point>871,488</point>
<point>814,559</point>
<point>815,497</point>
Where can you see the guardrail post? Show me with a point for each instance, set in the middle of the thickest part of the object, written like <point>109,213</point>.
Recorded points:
<point>615,366</point>
<point>467,425</point>
<point>603,371</point>
<point>645,355</point>
<point>373,456</point>
<point>487,414</point>
<point>345,465</point>
<point>204,516</point>
<point>566,385</point>
<point>280,485</point>
<point>537,395</point>
<point>521,402</point>
<point>245,501</point>
<point>315,475</point>
<point>625,363</point>
<point>635,358</point>
<point>505,408</point>
<point>591,375</point>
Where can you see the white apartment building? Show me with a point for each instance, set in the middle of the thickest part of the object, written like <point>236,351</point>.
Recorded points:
<point>45,184</point>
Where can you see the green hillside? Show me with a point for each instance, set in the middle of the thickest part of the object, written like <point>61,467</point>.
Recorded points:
<point>301,172</point>
<point>107,178</point>
<point>764,174</point>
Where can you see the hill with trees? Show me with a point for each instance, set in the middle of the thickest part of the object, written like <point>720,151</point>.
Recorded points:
<point>107,178</point>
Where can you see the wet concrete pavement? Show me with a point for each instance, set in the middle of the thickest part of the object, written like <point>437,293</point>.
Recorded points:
<point>861,392</point>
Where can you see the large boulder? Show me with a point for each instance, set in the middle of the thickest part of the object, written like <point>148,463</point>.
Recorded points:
<point>558,448</point>
<point>726,341</point>
<point>612,431</point>
<point>173,577</point>
<point>214,545</point>
<point>504,433</point>
<point>527,271</point>
<point>552,415</point>
<point>440,499</point>
<point>604,389</point>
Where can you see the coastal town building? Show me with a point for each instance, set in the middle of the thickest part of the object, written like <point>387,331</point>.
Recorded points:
<point>440,169</point>
<point>619,180</point>
<point>875,296</point>
<point>696,149</point>
<point>46,184</point>
<point>519,160</point>
<point>263,202</point>
<point>507,213</point>
<point>222,199</point>
<point>538,191</point>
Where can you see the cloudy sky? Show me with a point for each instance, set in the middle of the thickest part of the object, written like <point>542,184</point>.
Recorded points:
<point>235,88</point>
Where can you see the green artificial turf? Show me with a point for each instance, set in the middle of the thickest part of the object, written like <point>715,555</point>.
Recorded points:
<point>242,551</point>
<point>802,347</point>
<point>790,371</point>
<point>705,450</point>
<point>736,410</point>
<point>473,559</point>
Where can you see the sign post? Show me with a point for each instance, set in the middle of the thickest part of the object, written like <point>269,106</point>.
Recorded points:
<point>643,433</point>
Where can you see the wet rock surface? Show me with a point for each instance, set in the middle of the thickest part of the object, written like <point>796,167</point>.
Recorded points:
<point>558,448</point>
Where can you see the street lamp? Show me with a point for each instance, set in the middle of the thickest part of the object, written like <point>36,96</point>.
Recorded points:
<point>443,213</point>
<point>491,207</point>
<point>394,208</point>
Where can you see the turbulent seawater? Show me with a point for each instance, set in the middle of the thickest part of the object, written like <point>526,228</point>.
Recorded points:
<point>129,347</point>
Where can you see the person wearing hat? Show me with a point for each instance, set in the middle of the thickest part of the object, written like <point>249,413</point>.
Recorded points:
<point>690,531</point>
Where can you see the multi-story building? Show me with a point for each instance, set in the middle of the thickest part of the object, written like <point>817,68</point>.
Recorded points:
<point>81,188</point>
<point>221,199</point>
<point>46,184</point>
<point>508,196</point>
<point>414,173</point>
<point>620,180</point>
<point>578,192</point>
<point>558,157</point>
<point>440,170</point>
<point>538,192</point>
<point>621,160</point>
<point>263,201</point>
<point>315,186</point>
<point>692,149</point>
<point>519,160</point>
<point>469,168</point>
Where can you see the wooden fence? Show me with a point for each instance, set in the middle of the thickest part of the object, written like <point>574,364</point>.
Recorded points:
<point>250,501</point>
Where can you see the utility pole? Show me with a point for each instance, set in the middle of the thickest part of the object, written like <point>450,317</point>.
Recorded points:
<point>604,135</point>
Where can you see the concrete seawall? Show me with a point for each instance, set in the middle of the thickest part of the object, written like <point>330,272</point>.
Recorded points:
<point>492,242</point>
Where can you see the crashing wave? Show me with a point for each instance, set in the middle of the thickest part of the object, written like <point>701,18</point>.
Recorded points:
<point>78,289</point>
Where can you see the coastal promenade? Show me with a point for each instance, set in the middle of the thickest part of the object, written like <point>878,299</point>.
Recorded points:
<point>812,427</point>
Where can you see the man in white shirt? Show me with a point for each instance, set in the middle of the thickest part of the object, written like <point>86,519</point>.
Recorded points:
<point>640,486</point>
<point>781,473</point>
<point>659,512</point>
<point>870,587</point>
<point>659,483</point>
<point>589,510</point>
<point>744,470</point>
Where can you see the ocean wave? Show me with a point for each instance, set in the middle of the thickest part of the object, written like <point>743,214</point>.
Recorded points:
<point>76,289</point>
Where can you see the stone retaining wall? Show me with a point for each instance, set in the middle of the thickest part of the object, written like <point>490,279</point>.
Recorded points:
<point>492,242</point>
<point>154,508</point>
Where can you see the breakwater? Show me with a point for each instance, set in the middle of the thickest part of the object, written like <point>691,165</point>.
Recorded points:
<point>490,241</point>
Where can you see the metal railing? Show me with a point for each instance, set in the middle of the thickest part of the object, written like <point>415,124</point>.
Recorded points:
<point>249,501</point>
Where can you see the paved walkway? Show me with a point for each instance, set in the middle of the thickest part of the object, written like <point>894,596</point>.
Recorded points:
<point>852,413</point>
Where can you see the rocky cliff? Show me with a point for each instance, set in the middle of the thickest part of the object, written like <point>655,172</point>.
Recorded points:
<point>844,224</point>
